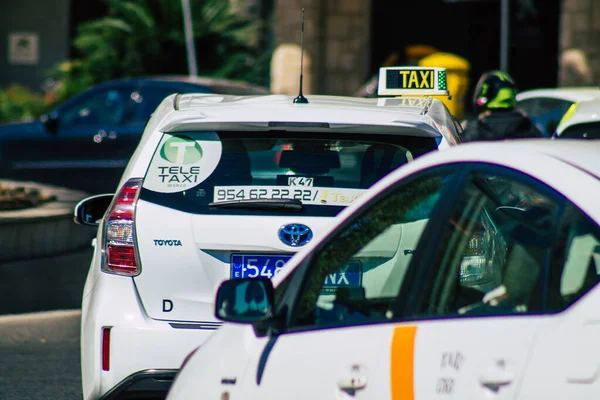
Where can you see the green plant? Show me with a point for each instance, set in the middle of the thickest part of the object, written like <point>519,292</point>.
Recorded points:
<point>146,37</point>
<point>18,102</point>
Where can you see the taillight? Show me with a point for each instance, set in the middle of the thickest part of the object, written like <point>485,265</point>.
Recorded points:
<point>106,349</point>
<point>120,253</point>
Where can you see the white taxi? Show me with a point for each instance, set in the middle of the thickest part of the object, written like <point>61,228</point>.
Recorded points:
<point>546,106</point>
<point>223,187</point>
<point>468,274</point>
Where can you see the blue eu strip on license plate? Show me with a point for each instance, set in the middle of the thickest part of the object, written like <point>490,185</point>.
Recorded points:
<point>267,266</point>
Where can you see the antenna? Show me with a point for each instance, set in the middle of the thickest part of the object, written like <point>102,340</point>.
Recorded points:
<point>301,98</point>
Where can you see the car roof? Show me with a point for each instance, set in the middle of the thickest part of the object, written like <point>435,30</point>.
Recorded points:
<point>195,111</point>
<point>580,153</point>
<point>585,111</point>
<point>574,94</point>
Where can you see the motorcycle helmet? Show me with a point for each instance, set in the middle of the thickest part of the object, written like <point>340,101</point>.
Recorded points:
<point>494,90</point>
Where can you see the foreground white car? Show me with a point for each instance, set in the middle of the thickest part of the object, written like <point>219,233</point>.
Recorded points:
<point>226,187</point>
<point>472,275</point>
<point>546,106</point>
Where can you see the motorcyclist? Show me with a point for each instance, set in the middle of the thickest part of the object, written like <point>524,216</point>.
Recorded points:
<point>497,118</point>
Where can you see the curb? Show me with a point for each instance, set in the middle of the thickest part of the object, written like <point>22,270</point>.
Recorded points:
<point>45,230</point>
<point>45,283</point>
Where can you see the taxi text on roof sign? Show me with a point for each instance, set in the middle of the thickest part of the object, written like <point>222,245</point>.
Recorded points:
<point>420,81</point>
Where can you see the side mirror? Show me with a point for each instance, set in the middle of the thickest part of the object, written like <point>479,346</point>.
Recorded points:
<point>90,210</point>
<point>245,300</point>
<point>50,121</point>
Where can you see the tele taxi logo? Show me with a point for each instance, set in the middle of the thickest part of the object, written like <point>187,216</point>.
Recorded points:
<point>181,151</point>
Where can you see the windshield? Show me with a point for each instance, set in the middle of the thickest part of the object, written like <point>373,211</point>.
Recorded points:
<point>590,130</point>
<point>207,172</point>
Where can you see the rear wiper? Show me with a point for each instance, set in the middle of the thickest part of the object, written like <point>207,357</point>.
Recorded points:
<point>269,204</point>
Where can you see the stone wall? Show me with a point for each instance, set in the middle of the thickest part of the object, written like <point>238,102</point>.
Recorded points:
<point>580,29</point>
<point>336,38</point>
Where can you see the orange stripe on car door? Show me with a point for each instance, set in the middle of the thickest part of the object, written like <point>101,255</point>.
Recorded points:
<point>402,362</point>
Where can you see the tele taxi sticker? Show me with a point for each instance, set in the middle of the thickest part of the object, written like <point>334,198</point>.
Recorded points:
<point>183,162</point>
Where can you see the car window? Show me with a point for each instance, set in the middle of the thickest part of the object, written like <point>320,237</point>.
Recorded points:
<point>493,249</point>
<point>590,130</point>
<point>324,171</point>
<point>529,106</point>
<point>356,276</point>
<point>106,107</point>
<point>575,266</point>
<point>546,112</point>
<point>554,107</point>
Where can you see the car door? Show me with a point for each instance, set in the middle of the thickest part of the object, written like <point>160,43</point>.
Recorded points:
<point>566,358</point>
<point>341,333</point>
<point>483,305</point>
<point>81,151</point>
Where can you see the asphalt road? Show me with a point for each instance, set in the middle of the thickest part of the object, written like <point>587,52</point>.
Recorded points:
<point>39,356</point>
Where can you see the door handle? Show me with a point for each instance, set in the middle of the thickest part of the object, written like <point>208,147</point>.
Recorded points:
<point>495,384</point>
<point>497,376</point>
<point>352,383</point>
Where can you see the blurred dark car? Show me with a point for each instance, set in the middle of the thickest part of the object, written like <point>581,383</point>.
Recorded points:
<point>86,142</point>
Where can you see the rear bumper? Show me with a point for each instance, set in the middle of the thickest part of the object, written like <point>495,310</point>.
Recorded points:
<point>148,384</point>
<point>138,344</point>
<point>145,358</point>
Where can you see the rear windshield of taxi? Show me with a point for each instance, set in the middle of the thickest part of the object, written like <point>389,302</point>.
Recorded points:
<point>273,172</point>
<point>590,130</point>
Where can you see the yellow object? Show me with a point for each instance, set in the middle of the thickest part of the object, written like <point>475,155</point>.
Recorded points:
<point>416,52</point>
<point>457,69</point>
<point>568,115</point>
<point>402,362</point>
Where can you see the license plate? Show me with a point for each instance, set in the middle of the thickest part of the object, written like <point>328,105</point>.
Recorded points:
<point>256,266</point>
<point>267,266</point>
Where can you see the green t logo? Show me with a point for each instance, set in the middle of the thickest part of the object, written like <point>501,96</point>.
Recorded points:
<point>182,151</point>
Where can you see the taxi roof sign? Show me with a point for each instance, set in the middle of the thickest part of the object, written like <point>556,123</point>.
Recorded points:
<point>416,81</point>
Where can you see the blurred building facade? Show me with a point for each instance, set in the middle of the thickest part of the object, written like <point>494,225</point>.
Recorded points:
<point>579,43</point>
<point>336,37</point>
<point>349,39</point>
<point>34,37</point>
<point>346,40</point>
